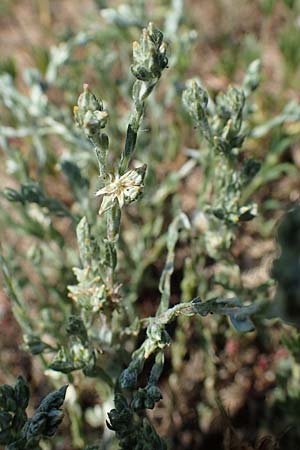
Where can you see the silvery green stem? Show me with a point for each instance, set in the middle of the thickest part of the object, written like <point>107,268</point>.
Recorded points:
<point>149,59</point>
<point>92,118</point>
<point>113,228</point>
<point>157,337</point>
<point>180,222</point>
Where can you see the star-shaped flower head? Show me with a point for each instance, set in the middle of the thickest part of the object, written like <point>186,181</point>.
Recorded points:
<point>125,189</point>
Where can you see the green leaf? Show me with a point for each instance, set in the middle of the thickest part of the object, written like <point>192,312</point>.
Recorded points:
<point>241,324</point>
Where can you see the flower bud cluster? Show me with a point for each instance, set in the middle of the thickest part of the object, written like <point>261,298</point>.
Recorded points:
<point>149,55</point>
<point>89,113</point>
<point>18,432</point>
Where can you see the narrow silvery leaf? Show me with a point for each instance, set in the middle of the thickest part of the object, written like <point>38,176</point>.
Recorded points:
<point>243,324</point>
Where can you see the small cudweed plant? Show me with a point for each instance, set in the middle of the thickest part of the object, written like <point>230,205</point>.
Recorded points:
<point>103,324</point>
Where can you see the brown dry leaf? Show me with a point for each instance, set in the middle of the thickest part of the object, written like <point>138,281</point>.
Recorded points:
<point>267,443</point>
<point>233,442</point>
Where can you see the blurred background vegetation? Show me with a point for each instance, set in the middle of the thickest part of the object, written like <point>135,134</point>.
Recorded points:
<point>48,50</point>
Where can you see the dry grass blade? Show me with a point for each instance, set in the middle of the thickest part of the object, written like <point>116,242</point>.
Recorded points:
<point>233,442</point>
<point>267,443</point>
